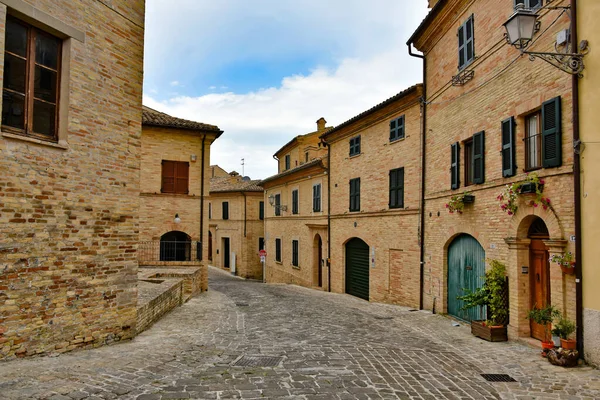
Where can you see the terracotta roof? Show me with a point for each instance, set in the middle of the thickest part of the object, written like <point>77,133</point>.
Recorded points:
<point>379,106</point>
<point>227,184</point>
<point>309,164</point>
<point>427,20</point>
<point>152,117</point>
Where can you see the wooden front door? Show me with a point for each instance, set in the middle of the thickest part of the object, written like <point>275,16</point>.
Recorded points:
<point>540,283</point>
<point>320,262</point>
<point>226,249</point>
<point>209,246</point>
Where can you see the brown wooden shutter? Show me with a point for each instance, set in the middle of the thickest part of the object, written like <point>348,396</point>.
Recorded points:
<point>168,177</point>
<point>182,177</point>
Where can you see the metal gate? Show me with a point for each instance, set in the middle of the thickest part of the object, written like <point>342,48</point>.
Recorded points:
<point>357,268</point>
<point>466,270</point>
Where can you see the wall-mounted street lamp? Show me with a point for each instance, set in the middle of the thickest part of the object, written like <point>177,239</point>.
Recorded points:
<point>520,30</point>
<point>277,206</point>
<point>177,220</point>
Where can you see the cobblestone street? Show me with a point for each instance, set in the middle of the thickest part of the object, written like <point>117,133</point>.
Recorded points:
<point>322,345</point>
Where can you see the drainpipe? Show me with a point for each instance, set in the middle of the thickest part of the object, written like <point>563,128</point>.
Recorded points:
<point>328,170</point>
<point>202,201</point>
<point>277,159</point>
<point>245,209</point>
<point>423,143</point>
<point>577,179</point>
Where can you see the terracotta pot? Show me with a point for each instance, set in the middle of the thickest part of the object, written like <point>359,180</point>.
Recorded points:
<point>568,344</point>
<point>567,270</point>
<point>547,345</point>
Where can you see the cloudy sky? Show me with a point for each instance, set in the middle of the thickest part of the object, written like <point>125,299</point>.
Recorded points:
<point>264,71</point>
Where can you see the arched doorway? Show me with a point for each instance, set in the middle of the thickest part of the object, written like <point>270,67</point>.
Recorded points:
<point>175,246</point>
<point>539,272</point>
<point>318,261</point>
<point>357,268</point>
<point>466,269</point>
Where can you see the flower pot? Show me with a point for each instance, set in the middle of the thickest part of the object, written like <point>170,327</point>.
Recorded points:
<point>548,345</point>
<point>556,340</point>
<point>567,270</point>
<point>468,199</point>
<point>568,344</point>
<point>489,333</point>
<point>529,187</point>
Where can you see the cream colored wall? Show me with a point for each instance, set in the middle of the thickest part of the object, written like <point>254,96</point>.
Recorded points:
<point>588,11</point>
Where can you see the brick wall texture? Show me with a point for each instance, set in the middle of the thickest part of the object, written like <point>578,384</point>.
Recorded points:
<point>69,217</point>
<point>169,299</point>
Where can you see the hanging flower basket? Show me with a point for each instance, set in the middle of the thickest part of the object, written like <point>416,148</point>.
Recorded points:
<point>565,261</point>
<point>532,185</point>
<point>458,201</point>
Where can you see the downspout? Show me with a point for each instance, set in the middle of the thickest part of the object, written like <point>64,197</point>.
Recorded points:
<point>202,201</point>
<point>423,143</point>
<point>277,159</point>
<point>328,169</point>
<point>245,210</point>
<point>577,178</point>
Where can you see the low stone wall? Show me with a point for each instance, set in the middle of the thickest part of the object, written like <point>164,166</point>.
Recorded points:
<point>180,267</point>
<point>157,299</point>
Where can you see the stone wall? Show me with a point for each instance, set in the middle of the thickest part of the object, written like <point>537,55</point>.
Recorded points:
<point>69,210</point>
<point>172,296</point>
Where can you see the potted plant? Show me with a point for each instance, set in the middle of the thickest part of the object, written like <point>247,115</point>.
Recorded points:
<point>545,316</point>
<point>490,296</point>
<point>565,261</point>
<point>563,329</point>
<point>458,201</point>
<point>532,184</point>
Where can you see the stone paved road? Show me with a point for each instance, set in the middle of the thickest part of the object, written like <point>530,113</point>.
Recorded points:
<point>331,347</point>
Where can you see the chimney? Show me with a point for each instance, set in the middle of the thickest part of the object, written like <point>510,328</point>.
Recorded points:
<point>432,3</point>
<point>321,124</point>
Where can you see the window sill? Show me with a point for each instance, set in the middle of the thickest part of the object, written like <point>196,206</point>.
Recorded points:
<point>295,267</point>
<point>402,139</point>
<point>278,262</point>
<point>355,155</point>
<point>60,145</point>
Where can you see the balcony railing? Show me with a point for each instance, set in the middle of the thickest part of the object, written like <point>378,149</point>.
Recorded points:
<point>169,251</point>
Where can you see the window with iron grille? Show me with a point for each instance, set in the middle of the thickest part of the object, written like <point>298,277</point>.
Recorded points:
<point>397,188</point>
<point>317,197</point>
<point>295,201</point>
<point>466,43</point>
<point>295,253</point>
<point>278,250</point>
<point>225,210</point>
<point>277,205</point>
<point>355,146</point>
<point>533,141</point>
<point>175,176</point>
<point>32,63</point>
<point>355,194</point>
<point>397,129</point>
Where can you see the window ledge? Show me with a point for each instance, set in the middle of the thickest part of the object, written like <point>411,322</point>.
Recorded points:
<point>60,145</point>
<point>355,155</point>
<point>279,262</point>
<point>295,267</point>
<point>402,139</point>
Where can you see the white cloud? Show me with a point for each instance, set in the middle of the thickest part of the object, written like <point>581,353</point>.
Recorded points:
<point>175,83</point>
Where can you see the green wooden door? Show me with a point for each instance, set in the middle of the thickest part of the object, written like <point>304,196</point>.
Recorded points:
<point>466,270</point>
<point>357,268</point>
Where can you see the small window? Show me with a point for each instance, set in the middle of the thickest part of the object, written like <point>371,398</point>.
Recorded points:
<point>295,201</point>
<point>529,4</point>
<point>533,141</point>
<point>175,175</point>
<point>278,250</point>
<point>295,253</point>
<point>355,146</point>
<point>397,188</point>
<point>468,147</point>
<point>209,211</point>
<point>397,129</point>
<point>317,198</point>
<point>306,157</point>
<point>225,210</point>
<point>261,210</point>
<point>466,43</point>
<point>277,205</point>
<point>261,243</point>
<point>287,162</point>
<point>31,81</point>
<point>355,194</point>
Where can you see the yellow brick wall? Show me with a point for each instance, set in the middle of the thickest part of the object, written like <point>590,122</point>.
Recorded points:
<point>69,217</point>
<point>498,91</point>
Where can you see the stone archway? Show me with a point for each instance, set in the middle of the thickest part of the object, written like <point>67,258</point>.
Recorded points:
<point>175,246</point>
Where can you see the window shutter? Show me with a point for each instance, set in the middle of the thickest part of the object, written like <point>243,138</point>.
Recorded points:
<point>400,188</point>
<point>277,205</point>
<point>392,202</point>
<point>509,165</point>
<point>357,194</point>
<point>294,202</point>
<point>461,46</point>
<point>479,157</point>
<point>182,177</point>
<point>551,134</point>
<point>168,177</point>
<point>469,40</point>
<point>261,210</point>
<point>454,165</point>
<point>401,127</point>
<point>225,210</point>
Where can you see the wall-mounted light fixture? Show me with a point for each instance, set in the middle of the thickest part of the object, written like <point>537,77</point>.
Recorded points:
<point>522,26</point>
<point>193,158</point>
<point>177,220</point>
<point>272,203</point>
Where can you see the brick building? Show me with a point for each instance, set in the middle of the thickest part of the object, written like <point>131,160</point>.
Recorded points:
<point>175,178</point>
<point>492,117</point>
<point>375,179</point>
<point>236,214</point>
<point>69,189</point>
<point>296,230</point>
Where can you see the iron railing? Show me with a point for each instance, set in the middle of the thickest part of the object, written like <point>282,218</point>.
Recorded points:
<point>169,251</point>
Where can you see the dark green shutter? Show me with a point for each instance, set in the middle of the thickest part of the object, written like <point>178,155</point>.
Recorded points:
<point>479,157</point>
<point>294,202</point>
<point>509,165</point>
<point>461,46</point>
<point>551,134</point>
<point>261,210</point>
<point>225,210</point>
<point>454,165</point>
<point>393,129</point>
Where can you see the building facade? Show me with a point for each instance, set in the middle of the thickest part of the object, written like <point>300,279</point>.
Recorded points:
<point>236,218</point>
<point>494,118</point>
<point>174,189</point>
<point>375,179</point>
<point>589,101</point>
<point>296,226</point>
<point>69,189</point>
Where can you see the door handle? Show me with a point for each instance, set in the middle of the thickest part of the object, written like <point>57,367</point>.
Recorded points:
<point>538,277</point>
